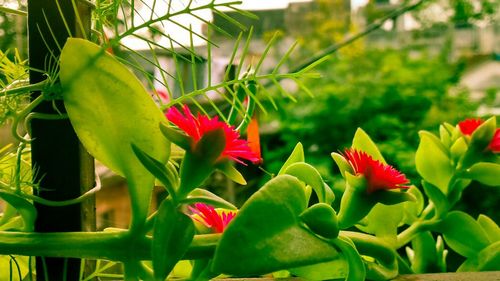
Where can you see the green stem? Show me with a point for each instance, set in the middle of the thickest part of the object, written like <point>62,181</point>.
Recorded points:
<point>25,89</point>
<point>115,246</point>
<point>423,224</point>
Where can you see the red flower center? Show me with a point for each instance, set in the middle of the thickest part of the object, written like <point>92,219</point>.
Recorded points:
<point>378,175</point>
<point>208,216</point>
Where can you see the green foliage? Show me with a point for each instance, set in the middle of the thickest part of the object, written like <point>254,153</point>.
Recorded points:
<point>388,93</point>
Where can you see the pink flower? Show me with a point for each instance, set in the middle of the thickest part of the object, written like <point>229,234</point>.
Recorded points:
<point>207,215</point>
<point>195,127</point>
<point>495,142</point>
<point>468,126</point>
<point>378,175</point>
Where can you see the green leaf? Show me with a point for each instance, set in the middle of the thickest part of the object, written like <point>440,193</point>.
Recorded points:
<point>445,136</point>
<point>463,234</point>
<point>432,162</point>
<point>383,221</point>
<point>296,156</point>
<point>334,269</point>
<point>479,142</point>
<point>438,199</point>
<point>267,234</point>
<point>228,169</point>
<point>490,228</point>
<point>110,109</point>
<point>23,206</point>
<point>176,136</point>
<point>356,268</point>
<point>425,253</point>
<point>486,260</point>
<point>200,163</point>
<point>158,169</point>
<point>355,203</point>
<point>363,142</point>
<point>412,209</point>
<point>342,164</point>
<point>458,149</point>
<point>172,234</point>
<point>200,195</point>
<point>485,173</point>
<point>322,220</point>
<point>310,176</point>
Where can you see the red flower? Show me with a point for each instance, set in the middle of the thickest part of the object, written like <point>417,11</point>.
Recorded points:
<point>495,142</point>
<point>468,126</point>
<point>379,176</point>
<point>208,216</point>
<point>195,127</point>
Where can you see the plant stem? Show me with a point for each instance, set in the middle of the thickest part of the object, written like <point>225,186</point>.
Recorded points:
<point>423,223</point>
<point>116,246</point>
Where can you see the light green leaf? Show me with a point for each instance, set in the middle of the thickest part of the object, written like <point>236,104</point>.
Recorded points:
<point>432,162</point>
<point>322,220</point>
<point>110,109</point>
<point>334,269</point>
<point>425,253</point>
<point>490,228</point>
<point>463,234</point>
<point>296,156</point>
<point>310,176</point>
<point>458,149</point>
<point>23,206</point>
<point>438,199</point>
<point>485,173</point>
<point>267,234</point>
<point>172,234</point>
<point>445,136</point>
<point>486,260</point>
<point>176,136</point>
<point>342,164</point>
<point>412,209</point>
<point>363,142</point>
<point>228,169</point>
<point>200,195</point>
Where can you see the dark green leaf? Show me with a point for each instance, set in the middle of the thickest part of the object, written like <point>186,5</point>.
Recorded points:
<point>425,258</point>
<point>176,136</point>
<point>486,260</point>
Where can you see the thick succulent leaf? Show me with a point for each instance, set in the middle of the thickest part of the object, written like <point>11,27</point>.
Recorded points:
<point>101,97</point>
<point>228,169</point>
<point>363,142</point>
<point>463,234</point>
<point>310,176</point>
<point>485,173</point>
<point>200,195</point>
<point>438,199</point>
<point>342,164</point>
<point>432,162</point>
<point>267,234</point>
<point>322,220</point>
<point>486,260</point>
<point>176,136</point>
<point>425,253</point>
<point>23,206</point>
<point>412,209</point>
<point>334,269</point>
<point>296,156</point>
<point>490,228</point>
<point>172,234</point>
<point>458,149</point>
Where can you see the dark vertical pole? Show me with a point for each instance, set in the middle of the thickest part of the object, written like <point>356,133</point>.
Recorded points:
<point>56,154</point>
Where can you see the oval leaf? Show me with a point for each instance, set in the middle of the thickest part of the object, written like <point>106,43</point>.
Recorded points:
<point>296,156</point>
<point>267,235</point>
<point>310,176</point>
<point>485,173</point>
